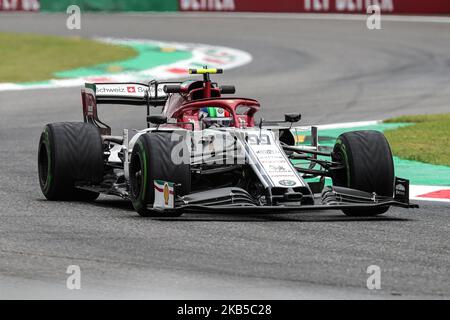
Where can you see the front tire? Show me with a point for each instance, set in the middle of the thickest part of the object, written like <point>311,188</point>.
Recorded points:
<point>69,152</point>
<point>368,166</point>
<point>151,159</point>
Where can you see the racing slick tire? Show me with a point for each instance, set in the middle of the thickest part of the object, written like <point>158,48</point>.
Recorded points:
<point>368,166</point>
<point>69,152</point>
<point>151,159</point>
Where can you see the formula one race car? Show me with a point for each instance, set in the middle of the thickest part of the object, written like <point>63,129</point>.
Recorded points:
<point>205,154</point>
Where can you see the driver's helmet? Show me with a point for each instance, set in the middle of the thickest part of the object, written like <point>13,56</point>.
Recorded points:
<point>214,116</point>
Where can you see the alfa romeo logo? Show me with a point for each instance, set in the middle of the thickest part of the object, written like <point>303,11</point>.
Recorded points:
<point>166,193</point>
<point>287,183</point>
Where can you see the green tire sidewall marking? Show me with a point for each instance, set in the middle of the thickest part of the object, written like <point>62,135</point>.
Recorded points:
<point>145,173</point>
<point>139,202</point>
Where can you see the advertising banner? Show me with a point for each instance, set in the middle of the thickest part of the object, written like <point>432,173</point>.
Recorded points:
<point>19,5</point>
<point>319,6</point>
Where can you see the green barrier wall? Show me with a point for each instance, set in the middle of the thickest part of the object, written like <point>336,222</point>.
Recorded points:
<point>110,5</point>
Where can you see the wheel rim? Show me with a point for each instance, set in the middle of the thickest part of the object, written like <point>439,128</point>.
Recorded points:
<point>44,165</point>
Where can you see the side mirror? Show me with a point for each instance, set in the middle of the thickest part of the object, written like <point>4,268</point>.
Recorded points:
<point>227,89</point>
<point>172,88</point>
<point>292,117</point>
<point>157,119</point>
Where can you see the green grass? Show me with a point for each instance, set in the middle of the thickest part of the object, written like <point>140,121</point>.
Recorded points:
<point>27,57</point>
<point>427,140</point>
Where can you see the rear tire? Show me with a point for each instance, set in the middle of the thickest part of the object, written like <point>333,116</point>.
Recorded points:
<point>151,159</point>
<point>69,152</point>
<point>369,167</point>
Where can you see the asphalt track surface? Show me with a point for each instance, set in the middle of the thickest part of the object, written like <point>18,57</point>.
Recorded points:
<point>331,71</point>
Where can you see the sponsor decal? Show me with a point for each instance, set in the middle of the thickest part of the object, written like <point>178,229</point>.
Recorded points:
<point>164,195</point>
<point>207,5</point>
<point>319,6</point>
<point>258,139</point>
<point>360,5</point>
<point>300,138</point>
<point>274,163</point>
<point>121,90</point>
<point>287,183</point>
<point>275,168</point>
<point>266,152</point>
<point>400,189</point>
<point>346,5</point>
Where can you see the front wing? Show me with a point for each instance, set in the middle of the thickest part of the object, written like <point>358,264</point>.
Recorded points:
<point>332,198</point>
<point>280,209</point>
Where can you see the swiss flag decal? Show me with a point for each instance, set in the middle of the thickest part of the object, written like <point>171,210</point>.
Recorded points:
<point>131,89</point>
